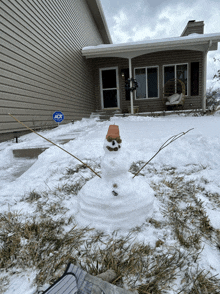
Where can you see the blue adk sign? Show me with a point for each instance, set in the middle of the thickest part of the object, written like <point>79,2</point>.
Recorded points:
<point>58,116</point>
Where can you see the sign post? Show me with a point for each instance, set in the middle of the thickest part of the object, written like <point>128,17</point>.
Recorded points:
<point>58,116</point>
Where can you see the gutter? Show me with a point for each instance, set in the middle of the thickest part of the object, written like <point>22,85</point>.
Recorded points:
<point>152,44</point>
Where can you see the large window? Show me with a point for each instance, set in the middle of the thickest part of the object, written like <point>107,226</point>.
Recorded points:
<point>147,79</point>
<point>178,71</point>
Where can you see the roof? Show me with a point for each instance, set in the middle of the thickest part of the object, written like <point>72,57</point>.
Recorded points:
<point>99,17</point>
<point>198,42</point>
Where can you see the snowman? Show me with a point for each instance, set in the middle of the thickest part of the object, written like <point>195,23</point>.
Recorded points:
<point>116,201</point>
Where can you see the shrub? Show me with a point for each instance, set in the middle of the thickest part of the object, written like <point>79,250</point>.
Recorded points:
<point>213,99</point>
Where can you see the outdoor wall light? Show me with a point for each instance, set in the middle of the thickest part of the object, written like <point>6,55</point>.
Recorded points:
<point>123,73</point>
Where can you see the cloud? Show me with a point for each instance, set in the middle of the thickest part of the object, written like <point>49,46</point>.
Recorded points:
<point>120,33</point>
<point>141,22</point>
<point>121,18</point>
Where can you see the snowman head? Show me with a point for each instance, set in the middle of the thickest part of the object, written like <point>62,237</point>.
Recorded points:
<point>113,140</point>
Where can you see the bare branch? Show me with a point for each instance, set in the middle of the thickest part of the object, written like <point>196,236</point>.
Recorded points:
<point>168,142</point>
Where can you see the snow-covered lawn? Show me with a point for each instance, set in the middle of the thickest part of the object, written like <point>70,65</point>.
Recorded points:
<point>178,248</point>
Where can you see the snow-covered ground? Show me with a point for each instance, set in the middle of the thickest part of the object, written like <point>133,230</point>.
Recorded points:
<point>195,158</point>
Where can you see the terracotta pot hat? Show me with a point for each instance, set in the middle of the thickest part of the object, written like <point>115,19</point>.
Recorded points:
<point>113,132</point>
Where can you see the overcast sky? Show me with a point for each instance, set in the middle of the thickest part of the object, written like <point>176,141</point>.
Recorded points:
<point>138,20</point>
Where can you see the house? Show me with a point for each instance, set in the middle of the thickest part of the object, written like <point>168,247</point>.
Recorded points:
<point>42,68</point>
<point>59,56</point>
<point>153,63</point>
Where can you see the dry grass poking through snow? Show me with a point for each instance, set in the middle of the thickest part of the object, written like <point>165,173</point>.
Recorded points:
<point>48,241</point>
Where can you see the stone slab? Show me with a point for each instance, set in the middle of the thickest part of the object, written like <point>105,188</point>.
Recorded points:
<point>28,153</point>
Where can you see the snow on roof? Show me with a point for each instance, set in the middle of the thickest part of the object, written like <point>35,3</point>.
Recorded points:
<point>196,37</point>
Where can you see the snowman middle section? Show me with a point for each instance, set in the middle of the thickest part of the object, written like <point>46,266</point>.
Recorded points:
<point>116,201</point>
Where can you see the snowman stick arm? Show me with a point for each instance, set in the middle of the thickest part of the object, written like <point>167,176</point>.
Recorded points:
<point>174,138</point>
<point>169,141</point>
<point>147,163</point>
<point>54,144</point>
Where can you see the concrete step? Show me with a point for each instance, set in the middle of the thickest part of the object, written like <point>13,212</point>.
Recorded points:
<point>103,119</point>
<point>29,153</point>
<point>95,115</point>
<point>110,111</point>
<point>105,114</point>
<point>98,113</point>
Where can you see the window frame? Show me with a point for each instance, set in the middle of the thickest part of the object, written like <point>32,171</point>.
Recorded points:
<point>175,73</point>
<point>158,91</point>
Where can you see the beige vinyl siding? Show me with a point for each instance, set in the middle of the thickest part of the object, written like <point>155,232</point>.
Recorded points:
<point>153,59</point>
<point>41,66</point>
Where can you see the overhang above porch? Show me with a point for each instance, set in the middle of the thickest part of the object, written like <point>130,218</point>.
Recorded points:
<point>197,42</point>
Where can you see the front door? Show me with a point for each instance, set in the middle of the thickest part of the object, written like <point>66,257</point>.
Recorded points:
<point>109,87</point>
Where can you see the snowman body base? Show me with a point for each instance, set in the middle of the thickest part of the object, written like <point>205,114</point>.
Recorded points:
<point>118,203</point>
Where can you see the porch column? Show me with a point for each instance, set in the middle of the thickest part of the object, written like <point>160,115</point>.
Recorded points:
<point>131,92</point>
<point>204,81</point>
<point>205,76</point>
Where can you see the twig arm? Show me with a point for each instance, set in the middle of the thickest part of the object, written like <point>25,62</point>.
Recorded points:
<point>169,141</point>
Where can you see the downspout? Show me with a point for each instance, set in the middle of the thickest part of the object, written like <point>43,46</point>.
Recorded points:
<point>131,92</point>
<point>205,76</point>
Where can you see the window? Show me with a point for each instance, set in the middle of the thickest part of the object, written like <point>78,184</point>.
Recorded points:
<point>140,76</point>
<point>178,71</point>
<point>147,79</point>
<point>169,73</point>
<point>195,78</point>
<point>152,82</point>
<point>182,75</point>
<point>109,79</point>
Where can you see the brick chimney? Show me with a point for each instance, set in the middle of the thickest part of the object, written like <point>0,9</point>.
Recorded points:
<point>193,27</point>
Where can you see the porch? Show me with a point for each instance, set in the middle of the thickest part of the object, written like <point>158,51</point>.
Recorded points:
<point>151,72</point>
<point>152,63</point>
